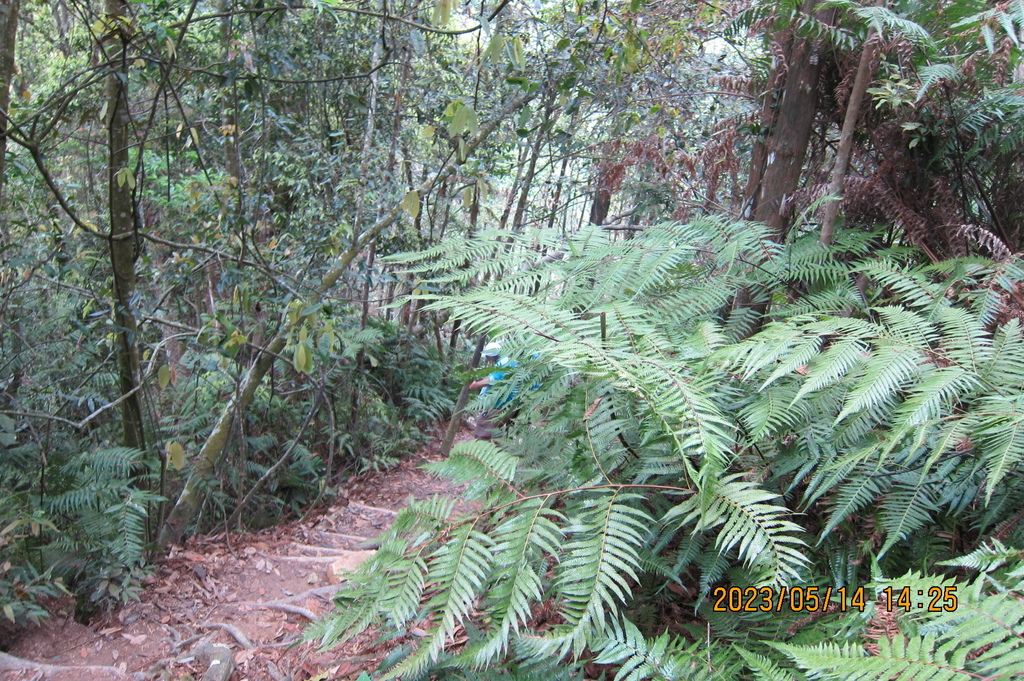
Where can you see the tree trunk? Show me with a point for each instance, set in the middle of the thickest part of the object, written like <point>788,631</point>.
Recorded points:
<point>8,42</point>
<point>777,160</point>
<point>780,159</point>
<point>364,164</point>
<point>538,144</point>
<point>514,191</point>
<point>558,192</point>
<point>232,155</point>
<point>835,189</point>
<point>121,203</point>
<point>460,403</point>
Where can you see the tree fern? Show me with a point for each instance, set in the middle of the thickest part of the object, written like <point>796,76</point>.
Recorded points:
<point>851,497</point>
<point>479,463</point>
<point>900,658</point>
<point>905,509</point>
<point>522,541</point>
<point>654,446</point>
<point>764,668</point>
<point>458,570</point>
<point>1000,434</point>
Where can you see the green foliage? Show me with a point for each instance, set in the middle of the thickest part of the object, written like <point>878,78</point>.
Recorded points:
<point>658,446</point>
<point>674,433</point>
<point>22,586</point>
<point>978,638</point>
<point>87,535</point>
<point>103,514</point>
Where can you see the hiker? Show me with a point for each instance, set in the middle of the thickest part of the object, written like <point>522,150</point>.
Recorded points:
<point>484,428</point>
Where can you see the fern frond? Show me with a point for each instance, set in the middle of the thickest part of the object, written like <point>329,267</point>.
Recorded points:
<point>593,578</point>
<point>852,496</point>
<point>755,528</point>
<point>521,541</point>
<point>833,364</point>
<point>932,74</point>
<point>458,570</point>
<point>890,369</point>
<point>901,658</point>
<point>933,396</point>
<point>1006,362</point>
<point>764,668</point>
<point>662,658</point>
<point>1000,437</point>
<point>988,558</point>
<point>480,463</point>
<point>881,18</point>
<point>906,509</point>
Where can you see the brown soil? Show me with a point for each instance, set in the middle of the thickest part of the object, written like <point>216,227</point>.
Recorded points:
<point>252,592</point>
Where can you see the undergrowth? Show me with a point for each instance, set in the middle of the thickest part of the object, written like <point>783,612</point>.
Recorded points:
<point>866,434</point>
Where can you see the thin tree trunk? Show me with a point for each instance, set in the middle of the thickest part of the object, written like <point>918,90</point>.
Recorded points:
<point>232,156</point>
<point>460,403</point>
<point>558,192</point>
<point>453,342</point>
<point>602,201</point>
<point>173,529</point>
<point>8,42</point>
<point>842,165</point>
<point>777,161</point>
<point>474,212</point>
<point>538,144</point>
<point>513,192</point>
<point>364,165</point>
<point>121,203</point>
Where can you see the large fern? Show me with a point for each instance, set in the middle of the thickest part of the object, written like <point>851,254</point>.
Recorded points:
<point>657,444</point>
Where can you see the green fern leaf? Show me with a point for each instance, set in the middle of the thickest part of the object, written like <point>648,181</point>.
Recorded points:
<point>905,510</point>
<point>901,658</point>
<point>593,578</point>
<point>755,528</point>
<point>890,369</point>
<point>1000,435</point>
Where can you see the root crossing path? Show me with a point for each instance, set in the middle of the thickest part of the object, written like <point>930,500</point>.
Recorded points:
<point>233,606</point>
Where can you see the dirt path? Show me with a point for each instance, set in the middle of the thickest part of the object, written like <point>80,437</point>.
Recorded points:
<point>252,593</point>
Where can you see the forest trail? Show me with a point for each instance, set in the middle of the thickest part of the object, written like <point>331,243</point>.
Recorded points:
<point>253,593</point>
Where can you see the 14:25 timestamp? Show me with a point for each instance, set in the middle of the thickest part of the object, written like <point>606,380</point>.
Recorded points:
<point>933,599</point>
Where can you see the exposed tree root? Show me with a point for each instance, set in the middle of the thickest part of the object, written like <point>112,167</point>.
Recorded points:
<point>324,549</point>
<point>328,590</point>
<point>293,609</point>
<point>303,559</point>
<point>356,504</point>
<point>10,662</point>
<point>234,631</point>
<point>342,535</point>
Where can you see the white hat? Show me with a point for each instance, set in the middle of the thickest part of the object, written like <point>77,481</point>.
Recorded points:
<point>492,349</point>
